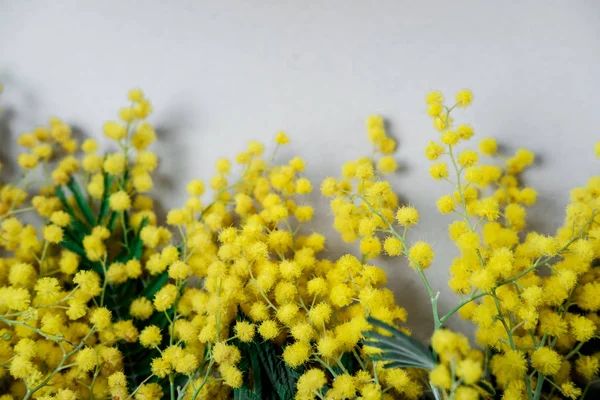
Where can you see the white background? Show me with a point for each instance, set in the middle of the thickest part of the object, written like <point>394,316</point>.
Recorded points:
<point>220,73</point>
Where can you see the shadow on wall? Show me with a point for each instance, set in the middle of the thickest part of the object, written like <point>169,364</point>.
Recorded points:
<point>169,150</point>
<point>8,146</point>
<point>8,115</point>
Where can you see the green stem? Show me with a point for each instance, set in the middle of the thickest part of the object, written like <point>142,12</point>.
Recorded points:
<point>60,366</point>
<point>574,351</point>
<point>462,304</point>
<point>124,230</point>
<point>43,257</point>
<point>54,338</point>
<point>208,369</point>
<point>538,389</point>
<point>376,378</point>
<point>21,185</point>
<point>323,363</point>
<point>339,363</point>
<point>138,388</point>
<point>96,373</point>
<point>503,320</point>
<point>262,293</point>
<point>18,211</point>
<point>274,153</point>
<point>104,283</point>
<point>528,388</point>
<point>172,386</point>
<point>587,387</point>
<point>360,362</point>
<point>459,188</point>
<point>432,296</point>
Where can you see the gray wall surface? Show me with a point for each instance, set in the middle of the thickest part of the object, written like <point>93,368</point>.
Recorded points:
<point>220,73</point>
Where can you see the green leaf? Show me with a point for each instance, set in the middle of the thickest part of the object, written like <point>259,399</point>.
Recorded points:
<point>81,203</point>
<point>244,393</point>
<point>396,364</point>
<point>159,319</point>
<point>284,392</point>
<point>154,285</point>
<point>73,247</point>
<point>76,223</point>
<point>350,363</point>
<point>399,350</point>
<point>112,221</point>
<point>256,376</point>
<point>80,228</point>
<point>63,199</point>
<point>108,179</point>
<point>137,246</point>
<point>251,368</point>
<point>71,235</point>
<point>437,395</point>
<point>280,375</point>
<point>76,248</point>
<point>486,386</point>
<point>385,344</point>
<point>77,230</point>
<point>266,376</point>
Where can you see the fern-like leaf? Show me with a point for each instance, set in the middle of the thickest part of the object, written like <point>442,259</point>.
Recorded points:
<point>399,350</point>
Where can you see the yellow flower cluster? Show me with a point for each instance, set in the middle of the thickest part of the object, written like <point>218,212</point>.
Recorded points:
<point>104,284</point>
<point>313,308</point>
<point>460,367</point>
<point>59,339</point>
<point>521,314</point>
<point>100,300</point>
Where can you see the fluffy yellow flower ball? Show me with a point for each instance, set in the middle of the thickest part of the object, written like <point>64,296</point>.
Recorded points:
<point>120,201</point>
<point>268,330</point>
<point>114,130</point>
<point>421,255</point>
<point>297,353</point>
<point>150,337</point>
<point>53,233</point>
<point>488,146</point>
<point>310,382</point>
<point>195,187</point>
<point>407,216</point>
<point>244,331</point>
<point>546,360</point>
<point>464,98</point>
<point>445,204</point>
<point>27,161</point>
<point>439,171</point>
<point>282,138</point>
<point>86,359</point>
